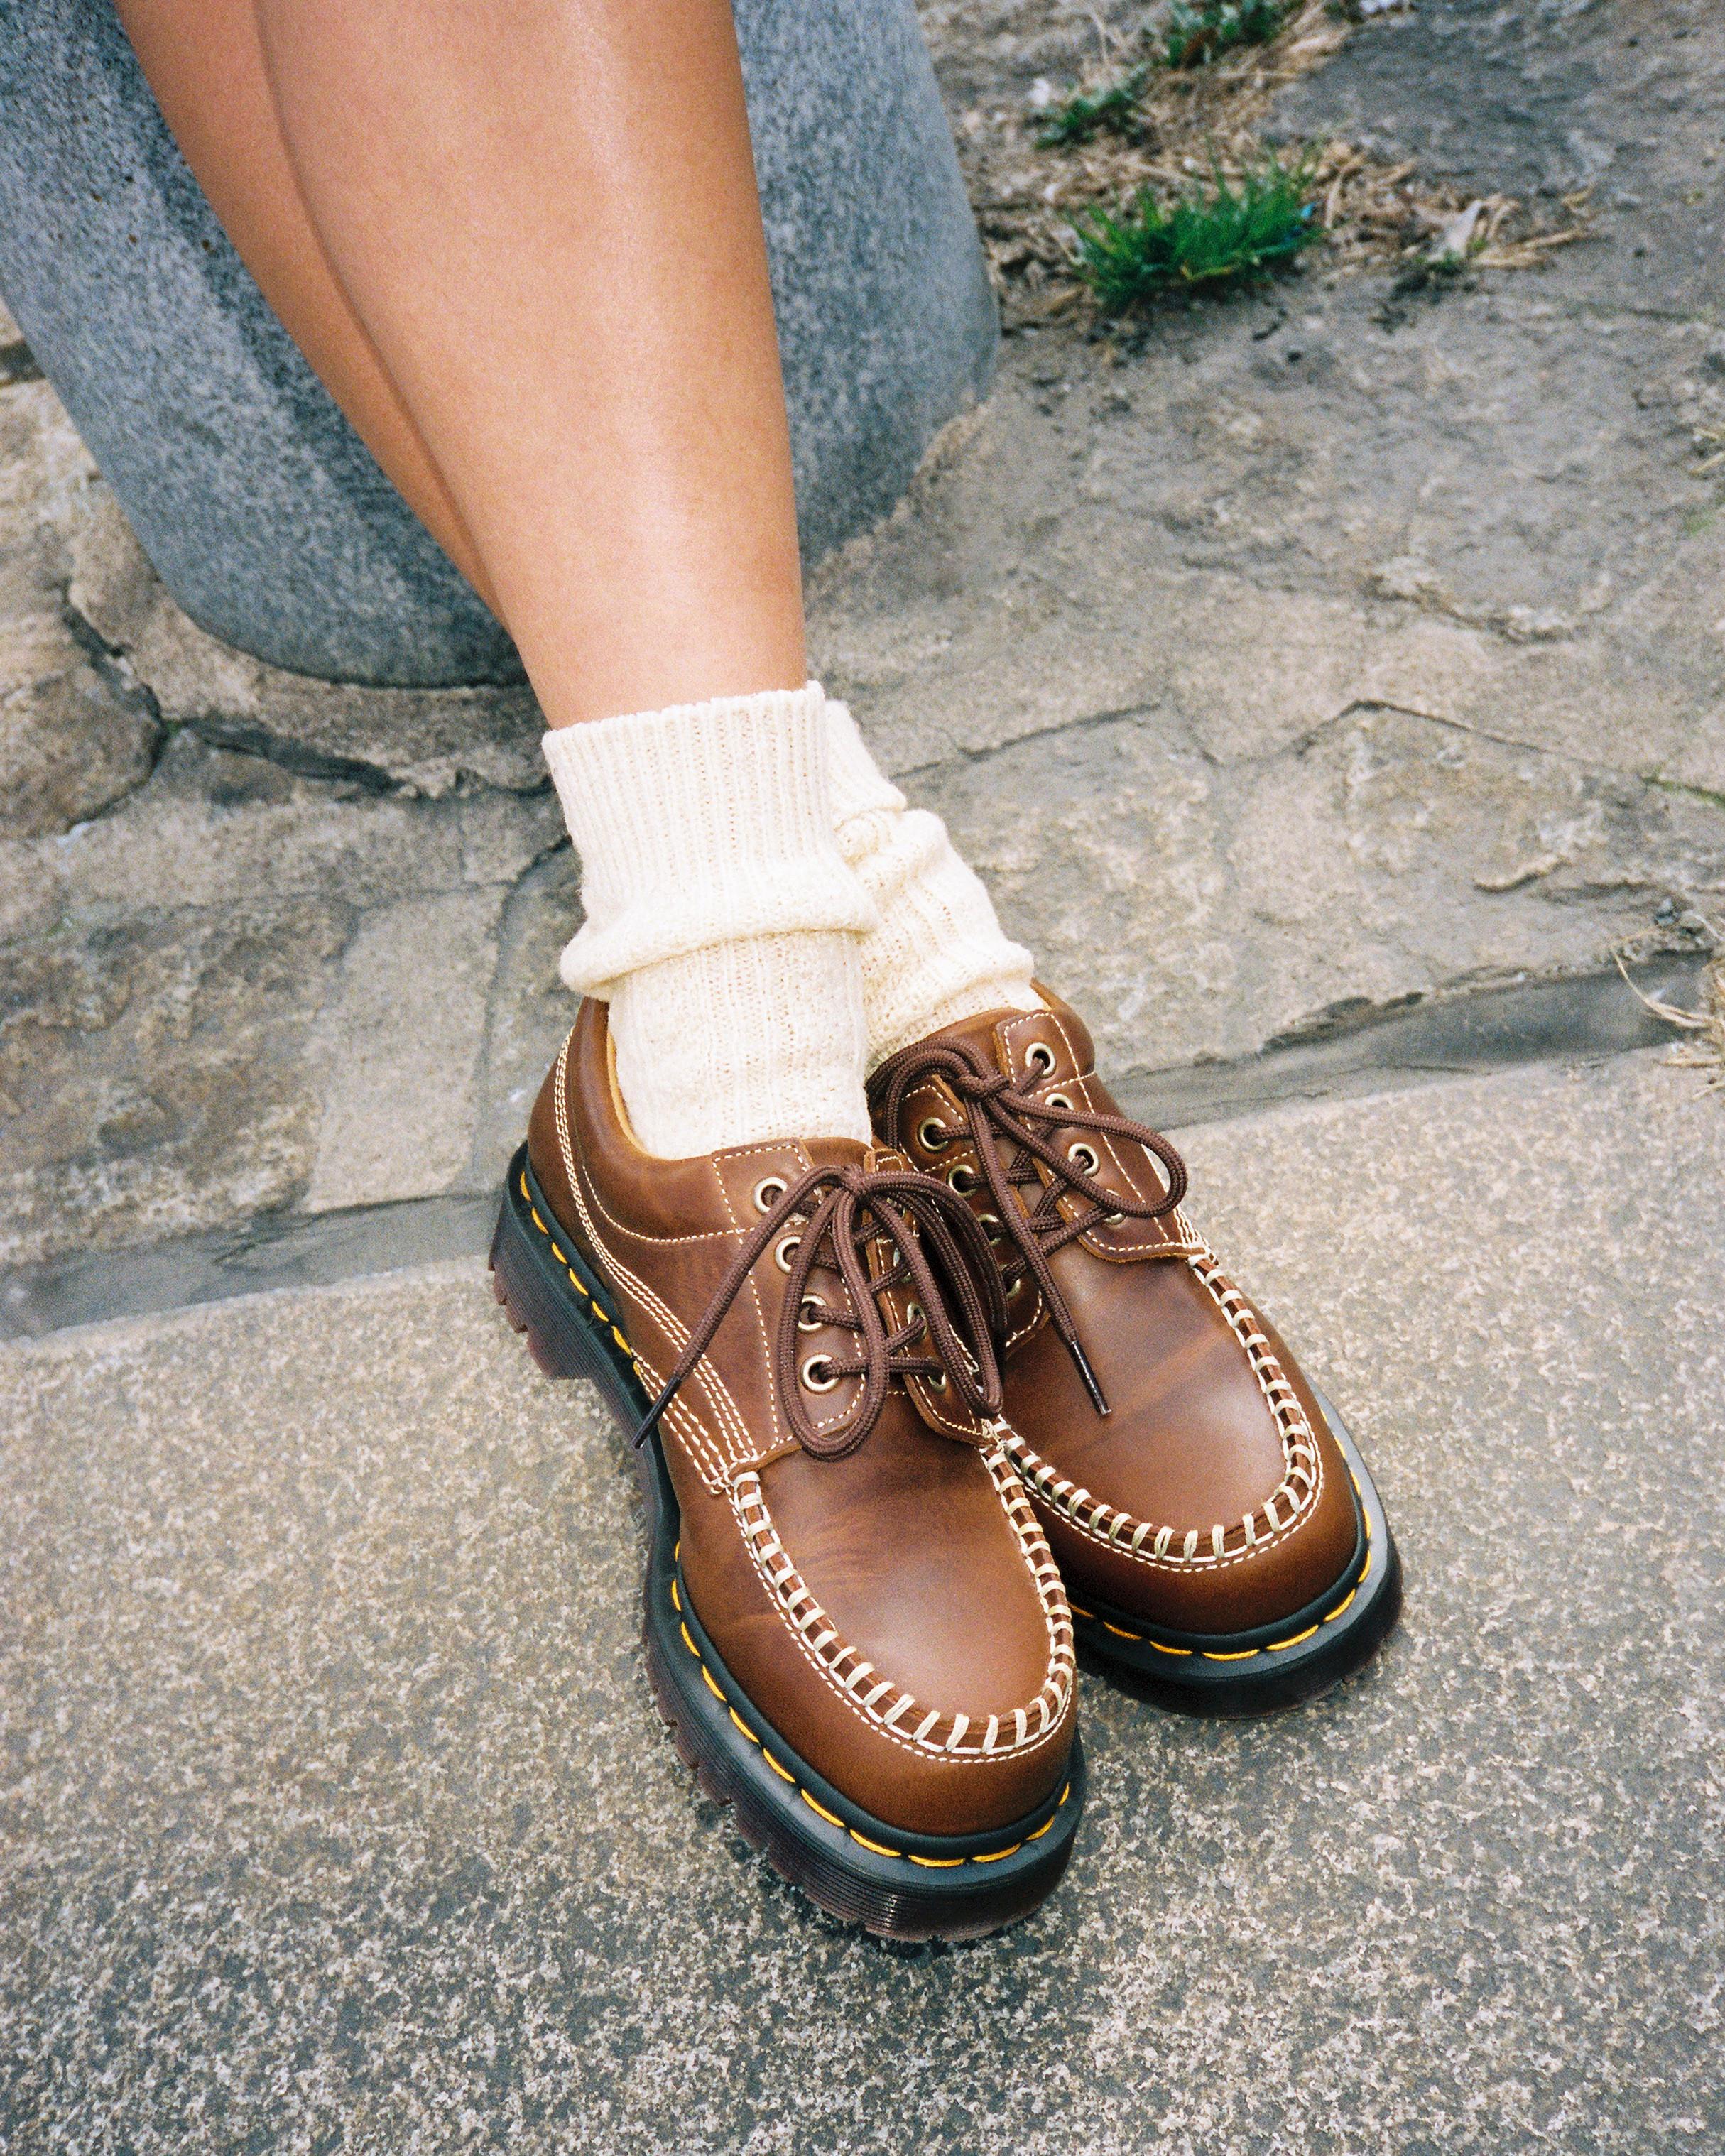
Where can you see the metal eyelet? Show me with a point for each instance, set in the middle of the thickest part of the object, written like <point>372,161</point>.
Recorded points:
<point>913,1313</point>
<point>814,1384</point>
<point>1060,1100</point>
<point>1039,1057</point>
<point>972,1179</point>
<point>932,1134</point>
<point>1018,1287</point>
<point>782,1251</point>
<point>989,1223</point>
<point>1085,1155</point>
<point>937,1383</point>
<point>768,1191</point>
<point>805,1323</point>
<point>1113,1219</point>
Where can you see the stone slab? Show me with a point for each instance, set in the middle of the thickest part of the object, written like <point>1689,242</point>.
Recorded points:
<point>1194,909</point>
<point>337,1812</point>
<point>396,1050</point>
<point>1301,678</point>
<point>1493,514</point>
<point>243,990</point>
<point>73,738</point>
<point>1555,99</point>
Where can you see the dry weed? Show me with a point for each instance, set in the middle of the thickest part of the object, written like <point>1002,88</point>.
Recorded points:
<point>1705,1047</point>
<point>1190,121</point>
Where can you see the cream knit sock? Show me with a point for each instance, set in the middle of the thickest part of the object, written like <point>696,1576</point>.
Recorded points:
<point>939,954</point>
<point>722,925</point>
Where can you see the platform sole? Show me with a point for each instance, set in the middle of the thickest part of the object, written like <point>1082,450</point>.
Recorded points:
<point>1281,1665</point>
<point>856,1868</point>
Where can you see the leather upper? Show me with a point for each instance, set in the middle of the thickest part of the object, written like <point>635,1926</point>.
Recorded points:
<point>1211,1498</point>
<point>894,1614</point>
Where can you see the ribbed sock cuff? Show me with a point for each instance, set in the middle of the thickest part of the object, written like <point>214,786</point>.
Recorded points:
<point>699,824</point>
<point>939,955</point>
<point>858,785</point>
<point>743,1043</point>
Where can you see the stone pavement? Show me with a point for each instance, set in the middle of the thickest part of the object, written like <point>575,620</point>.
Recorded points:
<point>339,1816</point>
<point>1327,687</point>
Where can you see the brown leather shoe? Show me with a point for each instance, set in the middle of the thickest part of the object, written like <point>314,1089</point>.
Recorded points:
<point>1213,1521</point>
<point>853,1625</point>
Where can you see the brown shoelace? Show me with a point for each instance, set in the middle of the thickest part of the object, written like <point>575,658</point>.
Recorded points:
<point>837,1212</point>
<point>998,1114</point>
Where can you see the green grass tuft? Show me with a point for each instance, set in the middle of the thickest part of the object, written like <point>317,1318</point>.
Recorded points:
<point>1199,30</point>
<point>1114,108</point>
<point>1212,231</point>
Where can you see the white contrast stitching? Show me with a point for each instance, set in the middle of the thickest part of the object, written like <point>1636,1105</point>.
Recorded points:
<point>828,1653</point>
<point>1300,1488</point>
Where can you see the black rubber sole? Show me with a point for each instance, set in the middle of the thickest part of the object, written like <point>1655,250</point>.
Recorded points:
<point>1283,1665</point>
<point>855,1867</point>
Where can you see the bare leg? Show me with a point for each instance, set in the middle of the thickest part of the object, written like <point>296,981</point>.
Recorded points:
<point>543,213</point>
<point>206,66</point>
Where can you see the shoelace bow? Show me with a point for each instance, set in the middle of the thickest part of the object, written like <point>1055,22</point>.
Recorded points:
<point>837,1212</point>
<point>996,1112</point>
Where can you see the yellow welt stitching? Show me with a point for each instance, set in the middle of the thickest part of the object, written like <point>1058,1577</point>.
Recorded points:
<point>1363,1570</point>
<point>819,1807</point>
<point>937,1863</point>
<point>1244,1655</point>
<point>1276,1645</point>
<point>1340,1605</point>
<point>994,1855</point>
<point>1040,1831</point>
<point>781,1772</point>
<point>1064,1794</point>
<point>1077,1612</point>
<point>688,1642</point>
<point>743,1726</point>
<point>711,1687</point>
<point>621,1341</point>
<point>879,1848</point>
<point>1161,1649</point>
<point>593,1304</point>
<point>1120,1631</point>
<point>677,1598</point>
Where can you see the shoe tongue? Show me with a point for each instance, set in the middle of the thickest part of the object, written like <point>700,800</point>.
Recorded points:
<point>977,1032</point>
<point>1049,1025</point>
<point>838,1152</point>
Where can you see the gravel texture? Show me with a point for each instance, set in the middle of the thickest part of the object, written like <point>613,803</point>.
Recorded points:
<point>336,1815</point>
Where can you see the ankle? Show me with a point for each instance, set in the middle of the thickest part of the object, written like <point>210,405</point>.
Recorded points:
<point>741,1043</point>
<point>939,955</point>
<point>721,918</point>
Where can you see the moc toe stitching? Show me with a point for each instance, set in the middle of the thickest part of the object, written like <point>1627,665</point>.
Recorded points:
<point>1066,1498</point>
<point>1281,1474</point>
<point>939,1734</point>
<point>775,1700</point>
<point>1301,1488</point>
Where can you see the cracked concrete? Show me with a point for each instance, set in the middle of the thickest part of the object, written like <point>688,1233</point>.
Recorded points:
<point>1327,687</point>
<point>1208,908</point>
<point>1296,664</point>
<point>240,991</point>
<point>337,1813</point>
<point>411,741</point>
<point>71,744</point>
